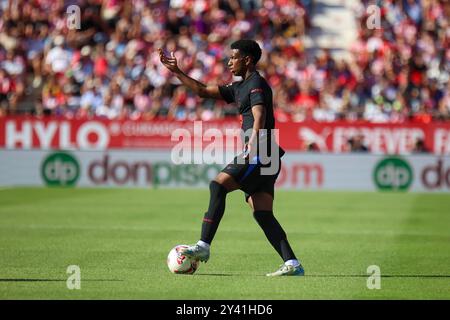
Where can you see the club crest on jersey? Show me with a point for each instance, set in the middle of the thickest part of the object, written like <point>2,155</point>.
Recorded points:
<point>256,90</point>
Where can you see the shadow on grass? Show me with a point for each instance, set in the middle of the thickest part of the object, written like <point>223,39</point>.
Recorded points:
<point>217,274</point>
<point>382,276</point>
<point>54,280</point>
<point>257,275</point>
<point>334,275</point>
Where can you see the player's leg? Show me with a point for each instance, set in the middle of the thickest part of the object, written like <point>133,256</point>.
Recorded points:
<point>218,188</point>
<point>262,206</point>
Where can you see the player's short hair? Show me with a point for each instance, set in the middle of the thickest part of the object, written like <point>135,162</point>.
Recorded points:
<point>248,48</point>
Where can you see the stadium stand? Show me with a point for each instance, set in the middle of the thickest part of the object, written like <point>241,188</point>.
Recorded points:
<point>109,68</point>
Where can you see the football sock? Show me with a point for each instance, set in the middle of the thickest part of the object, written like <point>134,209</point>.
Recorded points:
<point>275,234</point>
<point>215,211</point>
<point>292,262</point>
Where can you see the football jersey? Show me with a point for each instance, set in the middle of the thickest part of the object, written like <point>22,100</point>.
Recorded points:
<point>247,93</point>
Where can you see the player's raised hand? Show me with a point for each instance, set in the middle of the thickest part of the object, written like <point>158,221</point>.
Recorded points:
<point>169,62</point>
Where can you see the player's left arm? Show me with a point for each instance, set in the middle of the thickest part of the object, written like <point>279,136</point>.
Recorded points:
<point>259,116</point>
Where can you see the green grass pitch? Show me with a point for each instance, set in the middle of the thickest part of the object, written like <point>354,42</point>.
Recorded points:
<point>120,239</point>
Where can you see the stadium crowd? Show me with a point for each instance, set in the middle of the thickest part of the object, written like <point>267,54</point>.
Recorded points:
<point>109,66</point>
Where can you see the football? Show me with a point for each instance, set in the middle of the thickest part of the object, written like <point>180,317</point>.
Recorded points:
<point>179,263</point>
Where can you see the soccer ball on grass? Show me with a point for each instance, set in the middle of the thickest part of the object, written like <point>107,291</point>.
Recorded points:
<point>179,263</point>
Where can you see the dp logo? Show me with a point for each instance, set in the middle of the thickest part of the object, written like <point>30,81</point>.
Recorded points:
<point>60,169</point>
<point>393,173</point>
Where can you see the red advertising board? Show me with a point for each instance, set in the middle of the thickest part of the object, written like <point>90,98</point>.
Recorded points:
<point>100,134</point>
<point>383,138</point>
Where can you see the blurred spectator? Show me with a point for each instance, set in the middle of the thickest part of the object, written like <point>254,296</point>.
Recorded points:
<point>312,147</point>
<point>6,89</point>
<point>405,65</point>
<point>57,59</point>
<point>356,144</point>
<point>419,147</point>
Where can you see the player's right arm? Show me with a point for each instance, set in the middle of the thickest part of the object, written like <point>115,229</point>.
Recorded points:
<point>199,88</point>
